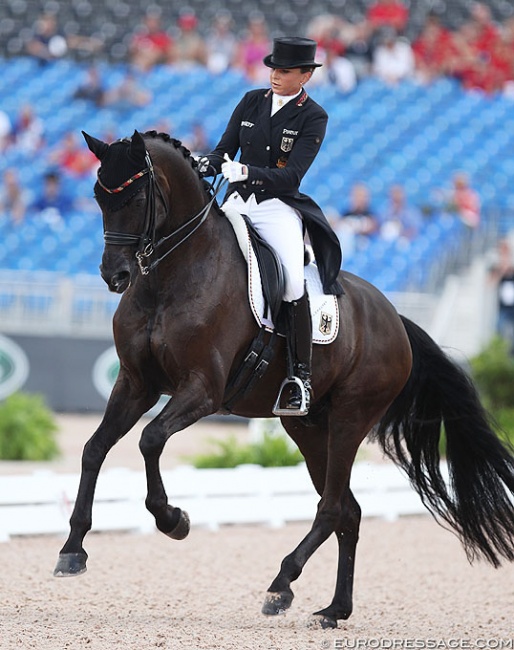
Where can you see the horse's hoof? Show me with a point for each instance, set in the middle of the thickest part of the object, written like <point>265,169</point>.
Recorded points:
<point>181,530</point>
<point>326,619</point>
<point>70,564</point>
<point>277,602</point>
<point>322,621</point>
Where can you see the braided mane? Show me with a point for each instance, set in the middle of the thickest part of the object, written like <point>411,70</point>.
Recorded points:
<point>177,144</point>
<point>208,187</point>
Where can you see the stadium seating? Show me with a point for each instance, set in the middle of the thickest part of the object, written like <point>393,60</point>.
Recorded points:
<point>412,135</point>
<point>113,21</point>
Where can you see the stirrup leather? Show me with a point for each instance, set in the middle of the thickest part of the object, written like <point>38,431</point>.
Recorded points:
<point>304,405</point>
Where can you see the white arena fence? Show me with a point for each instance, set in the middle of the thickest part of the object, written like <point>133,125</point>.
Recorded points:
<point>41,503</point>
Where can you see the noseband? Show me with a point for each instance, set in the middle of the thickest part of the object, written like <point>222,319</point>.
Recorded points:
<point>145,241</point>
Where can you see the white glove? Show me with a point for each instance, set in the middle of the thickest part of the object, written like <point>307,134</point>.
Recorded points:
<point>233,171</point>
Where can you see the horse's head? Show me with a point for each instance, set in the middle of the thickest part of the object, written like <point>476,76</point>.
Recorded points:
<point>136,180</point>
<point>122,192</point>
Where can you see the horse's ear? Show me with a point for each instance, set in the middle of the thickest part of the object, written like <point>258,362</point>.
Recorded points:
<point>137,146</point>
<point>98,147</point>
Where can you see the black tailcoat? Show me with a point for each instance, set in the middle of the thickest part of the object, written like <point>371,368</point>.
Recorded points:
<point>278,151</point>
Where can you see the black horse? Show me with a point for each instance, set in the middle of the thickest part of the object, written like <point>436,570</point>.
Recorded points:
<point>183,328</point>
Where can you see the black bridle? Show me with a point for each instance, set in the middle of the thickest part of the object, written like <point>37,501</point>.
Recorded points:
<point>147,245</point>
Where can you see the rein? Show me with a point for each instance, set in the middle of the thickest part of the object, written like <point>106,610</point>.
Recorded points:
<point>146,240</point>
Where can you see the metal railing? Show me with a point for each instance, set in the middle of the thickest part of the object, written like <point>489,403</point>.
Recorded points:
<point>50,304</point>
<point>83,307</point>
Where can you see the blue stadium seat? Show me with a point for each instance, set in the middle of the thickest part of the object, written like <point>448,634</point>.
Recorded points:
<point>414,135</point>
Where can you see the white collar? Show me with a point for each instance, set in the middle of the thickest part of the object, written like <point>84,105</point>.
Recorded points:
<point>279,101</point>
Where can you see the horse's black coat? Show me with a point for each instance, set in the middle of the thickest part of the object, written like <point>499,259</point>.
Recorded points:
<point>183,329</point>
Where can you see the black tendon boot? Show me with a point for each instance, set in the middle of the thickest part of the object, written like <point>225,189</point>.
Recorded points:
<point>300,332</point>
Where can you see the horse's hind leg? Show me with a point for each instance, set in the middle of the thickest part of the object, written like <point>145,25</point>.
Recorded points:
<point>120,416</point>
<point>337,512</point>
<point>312,442</point>
<point>347,534</point>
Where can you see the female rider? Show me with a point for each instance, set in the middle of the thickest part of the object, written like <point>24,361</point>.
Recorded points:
<point>279,131</point>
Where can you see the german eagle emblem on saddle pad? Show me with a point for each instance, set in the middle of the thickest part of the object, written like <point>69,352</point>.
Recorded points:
<point>324,308</point>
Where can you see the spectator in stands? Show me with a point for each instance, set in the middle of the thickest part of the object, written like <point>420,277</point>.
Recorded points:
<point>330,33</point>
<point>197,142</point>
<point>399,221</point>
<point>221,43</point>
<point>475,58</point>
<point>53,205</point>
<point>85,46</point>
<point>252,48</point>
<point>5,131</point>
<point>487,33</point>
<point>503,59</point>
<point>13,197</point>
<point>463,56</point>
<point>190,48</point>
<point>464,201</point>
<point>92,87</point>
<point>507,30</point>
<point>351,40</point>
<point>503,66</point>
<point>150,44</point>
<point>28,130</point>
<point>388,13</point>
<point>358,222</point>
<point>359,49</point>
<point>431,50</point>
<point>501,273</point>
<point>72,157</point>
<point>393,58</point>
<point>46,42</point>
<point>338,71</point>
<point>127,94</point>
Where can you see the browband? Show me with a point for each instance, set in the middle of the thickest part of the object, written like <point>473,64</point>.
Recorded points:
<point>124,185</point>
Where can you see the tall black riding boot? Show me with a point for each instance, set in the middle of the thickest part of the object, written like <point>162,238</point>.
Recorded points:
<point>300,348</point>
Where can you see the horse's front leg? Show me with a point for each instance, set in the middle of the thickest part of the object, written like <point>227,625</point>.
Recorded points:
<point>124,408</point>
<point>191,401</point>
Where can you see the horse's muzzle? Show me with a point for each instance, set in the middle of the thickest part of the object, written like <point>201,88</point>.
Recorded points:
<point>117,282</point>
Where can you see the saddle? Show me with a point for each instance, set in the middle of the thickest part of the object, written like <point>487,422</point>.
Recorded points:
<point>266,285</point>
<point>271,272</point>
<point>266,289</point>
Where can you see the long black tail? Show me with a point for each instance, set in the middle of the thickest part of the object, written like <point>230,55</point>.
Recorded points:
<point>478,501</point>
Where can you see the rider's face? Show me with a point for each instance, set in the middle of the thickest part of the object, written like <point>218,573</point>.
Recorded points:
<point>288,81</point>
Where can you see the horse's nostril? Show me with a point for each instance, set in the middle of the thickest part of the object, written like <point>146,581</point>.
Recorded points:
<point>119,281</point>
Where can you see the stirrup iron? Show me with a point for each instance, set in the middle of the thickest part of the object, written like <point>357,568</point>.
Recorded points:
<point>303,410</point>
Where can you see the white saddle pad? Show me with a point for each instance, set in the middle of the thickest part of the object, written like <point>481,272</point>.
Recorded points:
<point>324,308</point>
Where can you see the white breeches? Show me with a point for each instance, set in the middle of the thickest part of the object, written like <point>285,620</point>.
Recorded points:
<point>282,227</point>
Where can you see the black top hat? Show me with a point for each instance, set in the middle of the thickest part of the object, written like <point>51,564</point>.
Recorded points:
<point>292,52</point>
